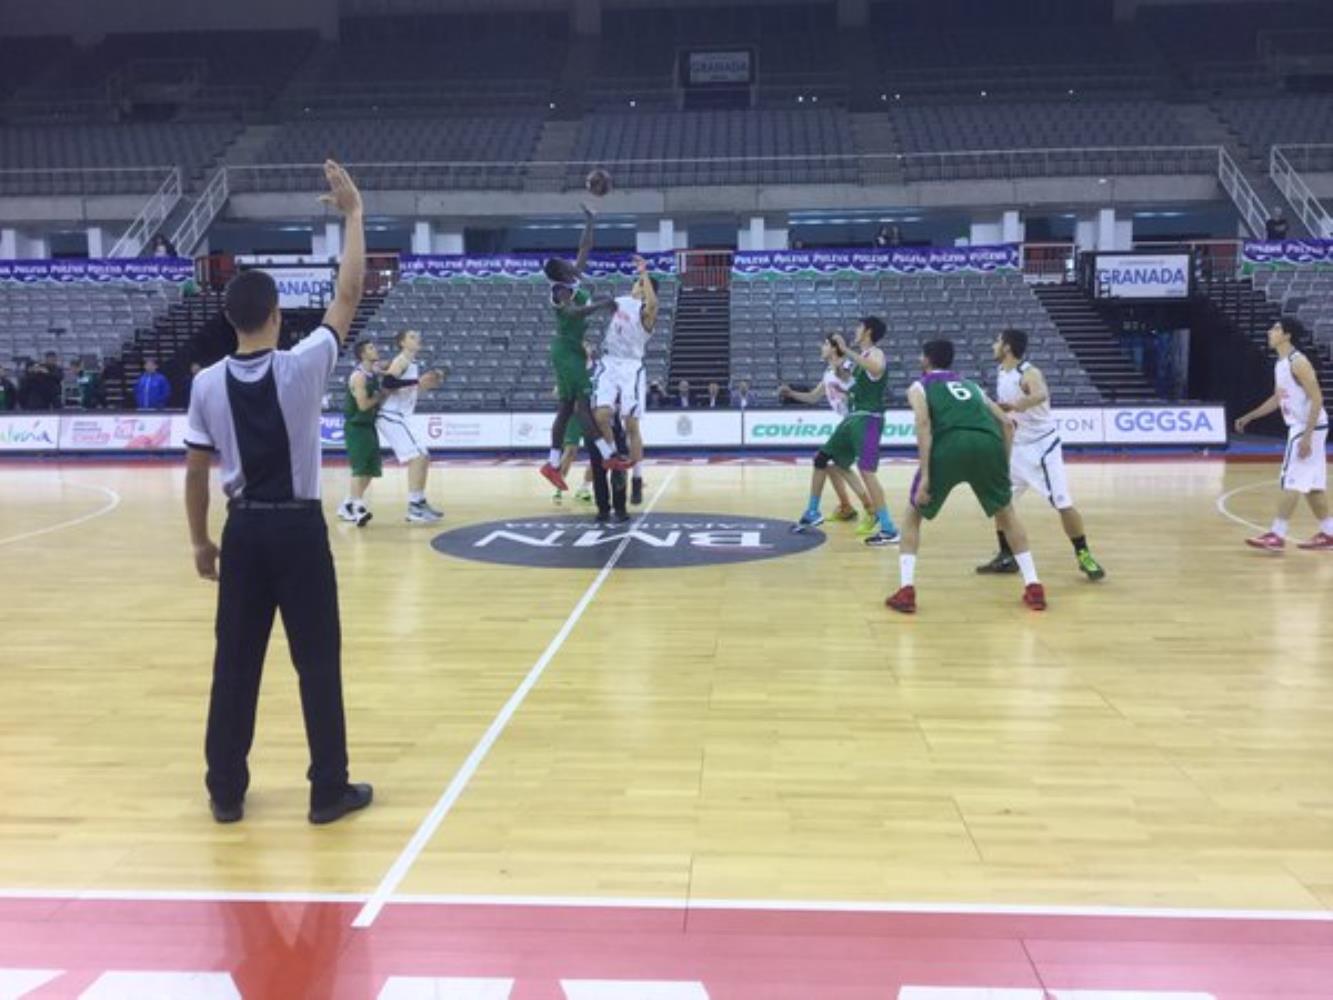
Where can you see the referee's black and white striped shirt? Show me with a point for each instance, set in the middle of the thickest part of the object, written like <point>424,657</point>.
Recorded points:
<point>261,413</point>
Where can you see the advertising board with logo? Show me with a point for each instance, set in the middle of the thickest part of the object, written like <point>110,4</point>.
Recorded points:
<point>717,66</point>
<point>125,432</point>
<point>331,430</point>
<point>464,430</point>
<point>1142,276</point>
<point>1166,425</point>
<point>795,428</point>
<point>29,433</point>
<point>687,428</point>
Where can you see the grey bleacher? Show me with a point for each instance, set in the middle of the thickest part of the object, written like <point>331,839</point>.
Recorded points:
<point>1263,122</point>
<point>1304,293</point>
<point>777,326</point>
<point>1055,124</point>
<point>494,338</point>
<point>77,320</point>
<point>650,137</point>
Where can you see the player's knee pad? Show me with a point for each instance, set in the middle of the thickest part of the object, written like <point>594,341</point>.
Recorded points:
<point>822,460</point>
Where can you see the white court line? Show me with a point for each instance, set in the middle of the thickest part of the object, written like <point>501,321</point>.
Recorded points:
<point>398,871</point>
<point>104,490</point>
<point>655,903</point>
<point>1225,512</point>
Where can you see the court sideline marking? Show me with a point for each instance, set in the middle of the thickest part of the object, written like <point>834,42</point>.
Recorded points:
<point>104,490</point>
<point>454,790</point>
<point>1225,512</point>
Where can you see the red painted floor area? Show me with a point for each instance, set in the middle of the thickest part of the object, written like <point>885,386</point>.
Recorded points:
<point>297,949</point>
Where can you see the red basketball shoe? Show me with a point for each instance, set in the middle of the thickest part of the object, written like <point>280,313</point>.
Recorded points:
<point>552,475</point>
<point>903,602</point>
<point>1034,596</point>
<point>1322,542</point>
<point>1268,541</point>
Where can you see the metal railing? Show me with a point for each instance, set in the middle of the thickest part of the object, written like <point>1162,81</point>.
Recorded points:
<point>81,181</point>
<point>194,226</point>
<point>150,217</point>
<point>1252,208</point>
<point>1298,194</point>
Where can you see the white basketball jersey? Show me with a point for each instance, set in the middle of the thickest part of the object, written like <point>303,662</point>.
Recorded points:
<point>836,386</point>
<point>626,339</point>
<point>1295,401</point>
<point>1032,424</point>
<point>404,401</point>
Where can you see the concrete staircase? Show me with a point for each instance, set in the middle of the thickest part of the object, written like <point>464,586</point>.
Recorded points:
<point>874,135</point>
<point>554,149</point>
<point>701,338</point>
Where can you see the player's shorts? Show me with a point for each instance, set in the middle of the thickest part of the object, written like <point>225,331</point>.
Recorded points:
<point>1040,466</point>
<point>1310,474</point>
<point>856,442</point>
<point>972,457</point>
<point>622,385</point>
<point>363,451</point>
<point>572,381</point>
<point>396,429</point>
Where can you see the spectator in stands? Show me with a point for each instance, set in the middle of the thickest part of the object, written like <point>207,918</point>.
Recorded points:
<point>741,398</point>
<point>39,388</point>
<point>681,399</point>
<point>1276,227</point>
<point>657,397</point>
<point>152,390</point>
<point>9,392</point>
<point>718,398</point>
<point>89,381</point>
<point>888,236</point>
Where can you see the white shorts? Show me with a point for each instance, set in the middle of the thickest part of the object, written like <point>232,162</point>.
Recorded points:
<point>622,385</point>
<point>396,430</point>
<point>1040,465</point>
<point>1305,475</point>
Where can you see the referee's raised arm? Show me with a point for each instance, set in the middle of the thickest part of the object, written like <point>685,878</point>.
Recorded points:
<point>258,413</point>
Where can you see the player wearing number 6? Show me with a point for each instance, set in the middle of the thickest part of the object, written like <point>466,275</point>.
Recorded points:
<point>962,437</point>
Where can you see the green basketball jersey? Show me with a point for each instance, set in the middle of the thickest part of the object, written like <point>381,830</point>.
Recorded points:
<point>570,330</point>
<point>353,414</point>
<point>867,394</point>
<point>957,404</point>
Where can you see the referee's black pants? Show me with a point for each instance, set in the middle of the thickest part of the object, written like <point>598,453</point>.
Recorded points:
<point>608,487</point>
<point>276,560</point>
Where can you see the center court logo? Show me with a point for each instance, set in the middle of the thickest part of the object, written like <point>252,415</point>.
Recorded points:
<point>658,541</point>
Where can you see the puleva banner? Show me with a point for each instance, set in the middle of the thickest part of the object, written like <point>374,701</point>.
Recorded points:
<point>1260,254</point>
<point>134,271</point>
<point>523,266</point>
<point>899,260</point>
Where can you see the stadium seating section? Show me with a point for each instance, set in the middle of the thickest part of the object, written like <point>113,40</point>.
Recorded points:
<point>87,321</point>
<point>1307,295</point>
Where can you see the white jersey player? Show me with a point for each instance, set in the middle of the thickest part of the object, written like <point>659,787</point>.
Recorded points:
<point>833,388</point>
<point>622,381</point>
<point>1037,461</point>
<point>404,380</point>
<point>1297,394</point>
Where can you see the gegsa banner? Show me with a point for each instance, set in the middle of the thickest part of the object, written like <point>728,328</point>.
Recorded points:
<point>528,266</point>
<point>98,271</point>
<point>899,260</point>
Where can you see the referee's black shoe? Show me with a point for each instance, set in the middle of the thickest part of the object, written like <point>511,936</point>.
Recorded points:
<point>636,490</point>
<point>354,797</point>
<point>227,814</point>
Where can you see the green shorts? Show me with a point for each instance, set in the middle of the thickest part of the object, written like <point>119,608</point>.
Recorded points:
<point>363,450</point>
<point>572,381</point>
<point>856,442</point>
<point>972,457</point>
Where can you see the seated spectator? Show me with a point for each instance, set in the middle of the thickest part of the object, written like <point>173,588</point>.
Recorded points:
<point>718,397</point>
<point>741,398</point>
<point>89,382</point>
<point>657,397</point>
<point>9,392</point>
<point>682,398</point>
<point>152,390</point>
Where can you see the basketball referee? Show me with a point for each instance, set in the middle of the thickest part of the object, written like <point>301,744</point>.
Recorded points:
<point>258,412</point>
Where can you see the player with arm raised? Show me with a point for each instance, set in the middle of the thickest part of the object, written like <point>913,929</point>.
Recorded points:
<point>574,306</point>
<point>962,437</point>
<point>1038,459</point>
<point>1304,468</point>
<point>834,387</point>
<point>622,381</point>
<point>404,380</point>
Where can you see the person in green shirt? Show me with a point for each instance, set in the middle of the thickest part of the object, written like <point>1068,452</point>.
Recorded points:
<point>962,436</point>
<point>364,396</point>
<point>574,307</point>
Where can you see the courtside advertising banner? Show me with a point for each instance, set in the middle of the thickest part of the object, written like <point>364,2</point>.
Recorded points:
<point>125,432</point>
<point>693,428</point>
<point>29,432</point>
<point>1166,425</point>
<point>463,430</point>
<point>1143,276</point>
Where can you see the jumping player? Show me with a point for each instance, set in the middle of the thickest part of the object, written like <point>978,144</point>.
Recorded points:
<point>855,441</point>
<point>1038,456</point>
<point>962,437</point>
<point>622,381</point>
<point>364,396</point>
<point>834,387</point>
<point>1304,468</point>
<point>574,306</point>
<point>404,379</point>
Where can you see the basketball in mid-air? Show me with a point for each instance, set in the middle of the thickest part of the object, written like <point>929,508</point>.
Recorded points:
<point>598,182</point>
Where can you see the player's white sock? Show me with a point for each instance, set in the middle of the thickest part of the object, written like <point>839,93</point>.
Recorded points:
<point>1326,525</point>
<point>1028,566</point>
<point>554,460</point>
<point>606,449</point>
<point>417,496</point>
<point>907,570</point>
<point>1280,527</point>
